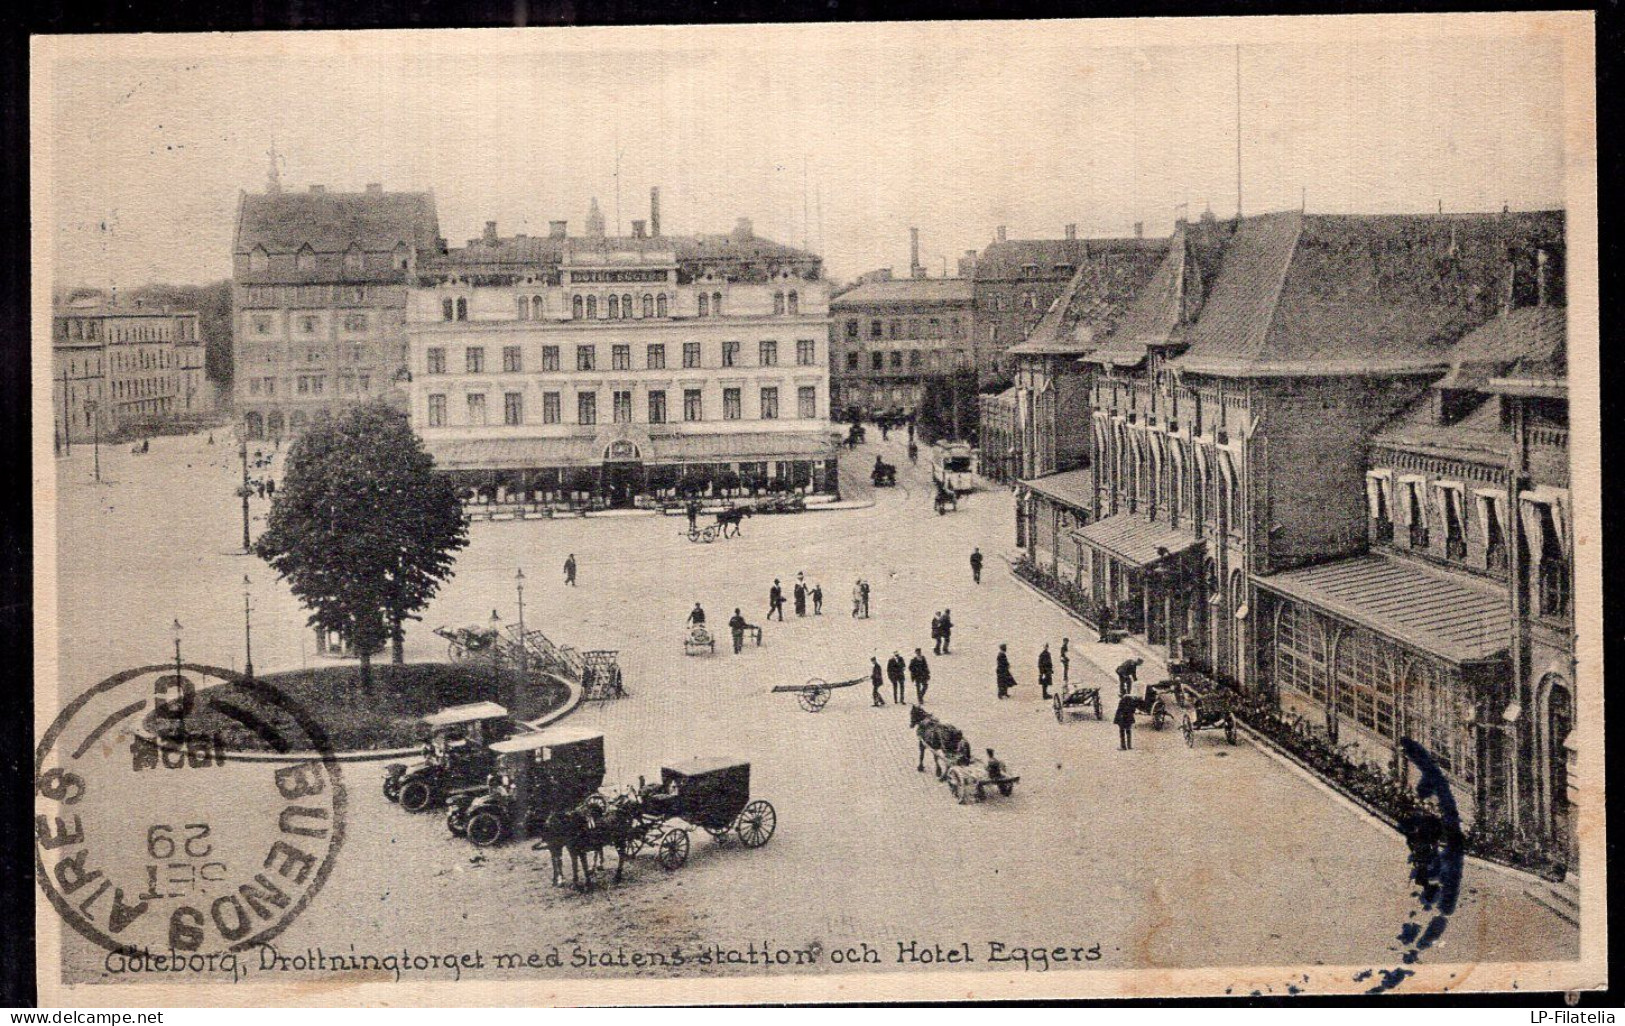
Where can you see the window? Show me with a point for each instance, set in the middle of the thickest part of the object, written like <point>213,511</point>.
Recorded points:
<point>657,407</point>
<point>575,308</point>
<point>592,308</point>
<point>448,310</point>
<point>615,308</point>
<point>806,352</point>
<point>354,261</point>
<point>1437,716</point>
<point>778,303</point>
<point>877,360</point>
<point>1366,682</point>
<point>660,305</point>
<point>648,305</point>
<point>852,361</point>
<point>513,408</point>
<point>550,408</point>
<point>586,358</point>
<point>704,306</point>
<point>716,304</point>
<point>587,408</point>
<point>1300,652</point>
<point>318,384</point>
<point>476,409</point>
<point>655,357</point>
<point>536,308</point>
<point>620,357</point>
<point>895,329</point>
<point>691,354</point>
<point>693,405</point>
<point>355,323</point>
<point>306,259</point>
<point>915,358</point>
<point>1455,533</point>
<point>934,328</point>
<point>770,403</point>
<point>437,411</point>
<point>462,309</point>
<point>550,358</point>
<point>512,363</point>
<point>730,354</point>
<point>400,256</point>
<point>626,307</point>
<point>795,302</point>
<point>258,259</point>
<point>474,359</point>
<point>730,404</point>
<point>1029,300</point>
<point>622,406</point>
<point>876,330</point>
<point>807,402</point>
<point>913,327</point>
<point>363,382</point>
<point>262,324</point>
<point>303,384</point>
<point>852,329</point>
<point>768,354</point>
<point>254,386</point>
<point>896,359</point>
<point>307,324</point>
<point>346,384</point>
<point>1552,565</point>
<point>357,352</point>
<point>524,308</point>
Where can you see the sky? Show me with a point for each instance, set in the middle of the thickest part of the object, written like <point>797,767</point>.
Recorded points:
<point>840,137</point>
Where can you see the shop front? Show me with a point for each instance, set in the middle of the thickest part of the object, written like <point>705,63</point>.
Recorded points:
<point>1149,574</point>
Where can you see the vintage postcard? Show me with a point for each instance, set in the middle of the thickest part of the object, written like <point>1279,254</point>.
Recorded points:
<point>818,513</point>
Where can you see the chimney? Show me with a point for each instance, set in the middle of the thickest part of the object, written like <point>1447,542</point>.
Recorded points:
<point>967,264</point>
<point>743,229</point>
<point>490,236</point>
<point>1540,276</point>
<point>375,188</point>
<point>998,233</point>
<point>654,212</point>
<point>1139,229</point>
<point>1071,232</point>
<point>914,268</point>
<point>318,189</point>
<point>557,229</point>
<point>638,229</point>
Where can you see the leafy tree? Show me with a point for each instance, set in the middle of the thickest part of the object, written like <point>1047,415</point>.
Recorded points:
<point>362,528</point>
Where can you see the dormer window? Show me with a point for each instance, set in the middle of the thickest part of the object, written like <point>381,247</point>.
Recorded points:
<point>1065,270</point>
<point>1029,270</point>
<point>354,260</point>
<point>258,259</point>
<point>306,258</point>
<point>398,259</point>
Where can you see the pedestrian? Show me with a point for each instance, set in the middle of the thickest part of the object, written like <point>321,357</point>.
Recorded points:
<point>775,600</point>
<point>693,516</point>
<point>818,599</point>
<point>863,587</point>
<point>696,616</point>
<point>875,680</point>
<point>911,431</point>
<point>919,671</point>
<point>570,570</point>
<point>936,633</point>
<point>976,565</point>
<point>857,598</point>
<point>1066,662</point>
<point>211,438</point>
<point>259,486</point>
<point>1128,671</point>
<point>1124,718</point>
<point>737,625</point>
<point>1005,680</point>
<point>947,630</point>
<point>895,668</point>
<point>801,599</point>
<point>1105,624</point>
<point>270,488</point>
<point>885,430</point>
<point>1046,671</point>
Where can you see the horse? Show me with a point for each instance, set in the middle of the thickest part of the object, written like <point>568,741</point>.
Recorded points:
<point>585,831</point>
<point>936,735</point>
<point>945,500</point>
<point>731,518</point>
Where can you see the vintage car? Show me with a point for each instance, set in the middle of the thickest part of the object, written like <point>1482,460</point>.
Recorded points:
<point>536,774</point>
<point>456,754</point>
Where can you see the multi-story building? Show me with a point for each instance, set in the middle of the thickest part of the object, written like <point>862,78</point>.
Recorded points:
<point>318,296</point>
<point>124,366</point>
<point>622,367</point>
<point>1299,485</point>
<point>896,345</point>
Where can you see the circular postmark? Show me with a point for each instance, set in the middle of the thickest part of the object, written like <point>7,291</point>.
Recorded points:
<point>159,842</point>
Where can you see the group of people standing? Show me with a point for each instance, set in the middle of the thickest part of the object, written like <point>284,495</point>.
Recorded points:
<point>1004,680</point>
<point>801,592</point>
<point>917,669</point>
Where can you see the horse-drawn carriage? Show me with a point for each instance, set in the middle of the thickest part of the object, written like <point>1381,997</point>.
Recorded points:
<point>710,794</point>
<point>455,755</point>
<point>968,778</point>
<point>1077,700</point>
<point>535,774</point>
<point>884,475</point>
<point>945,500</point>
<point>727,525</point>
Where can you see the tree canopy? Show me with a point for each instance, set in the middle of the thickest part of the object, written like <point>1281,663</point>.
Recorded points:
<point>362,528</point>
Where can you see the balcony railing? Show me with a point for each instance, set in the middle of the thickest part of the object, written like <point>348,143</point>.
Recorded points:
<point>1549,437</point>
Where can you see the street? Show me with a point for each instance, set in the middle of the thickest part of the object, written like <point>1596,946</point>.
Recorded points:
<point>1165,857</point>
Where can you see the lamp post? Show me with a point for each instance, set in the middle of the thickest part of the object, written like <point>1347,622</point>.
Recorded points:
<point>248,631</point>
<point>180,682</point>
<point>496,652</point>
<point>519,586</point>
<point>242,451</point>
<point>96,439</point>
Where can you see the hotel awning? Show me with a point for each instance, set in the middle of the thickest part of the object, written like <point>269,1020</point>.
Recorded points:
<point>512,453</point>
<point>1136,539</point>
<point>1069,488</point>
<point>588,451</point>
<point>755,446</point>
<point>1442,614</point>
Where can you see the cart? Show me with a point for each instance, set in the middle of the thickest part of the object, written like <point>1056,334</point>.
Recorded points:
<point>884,475</point>
<point>1077,700</point>
<point>972,781</point>
<point>711,794</point>
<point>814,695</point>
<point>702,534</point>
<point>1207,708</point>
<point>471,642</point>
<point>699,640</point>
<point>1160,701</point>
<point>601,676</point>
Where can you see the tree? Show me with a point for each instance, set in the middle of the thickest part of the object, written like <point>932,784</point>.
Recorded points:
<point>362,528</point>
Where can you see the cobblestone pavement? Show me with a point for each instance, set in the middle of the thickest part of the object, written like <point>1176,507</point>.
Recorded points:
<point>1164,856</point>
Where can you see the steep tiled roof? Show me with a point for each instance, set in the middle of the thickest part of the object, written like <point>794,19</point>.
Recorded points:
<point>1318,294</point>
<point>1107,284</point>
<point>1477,436</point>
<point>1528,341</point>
<point>1006,259</point>
<point>330,222</point>
<point>906,291</point>
<point>733,255</point>
<point>1154,315</point>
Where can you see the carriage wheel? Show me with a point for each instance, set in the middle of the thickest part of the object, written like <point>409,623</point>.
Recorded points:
<point>416,795</point>
<point>454,652</point>
<point>1058,717</point>
<point>1159,715</point>
<point>485,828</point>
<point>596,803</point>
<point>815,697</point>
<point>1230,729</point>
<point>1189,729</point>
<point>1099,712</point>
<point>757,823</point>
<point>954,789</point>
<point>673,849</point>
<point>634,843</point>
<point>709,534</point>
<point>392,789</point>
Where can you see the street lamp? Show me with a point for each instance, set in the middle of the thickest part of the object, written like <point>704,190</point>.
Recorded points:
<point>180,682</point>
<point>496,652</point>
<point>96,426</point>
<point>519,585</point>
<point>242,451</point>
<point>248,631</point>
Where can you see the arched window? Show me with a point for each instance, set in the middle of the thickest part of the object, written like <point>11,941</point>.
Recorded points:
<point>592,308</point>
<point>716,304</point>
<point>795,302</point>
<point>615,308</point>
<point>1300,652</point>
<point>705,305</point>
<point>536,308</point>
<point>626,306</point>
<point>462,309</point>
<point>399,258</point>
<point>575,307</point>
<point>524,308</point>
<point>1437,717</point>
<point>1366,682</point>
<point>306,258</point>
<point>648,305</point>
<point>660,305</point>
<point>258,259</point>
<point>778,302</point>
<point>354,260</point>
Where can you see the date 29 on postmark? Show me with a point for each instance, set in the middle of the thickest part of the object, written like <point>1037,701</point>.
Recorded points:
<point>150,840</point>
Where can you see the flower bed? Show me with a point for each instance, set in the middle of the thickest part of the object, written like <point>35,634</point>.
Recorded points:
<point>1073,598</point>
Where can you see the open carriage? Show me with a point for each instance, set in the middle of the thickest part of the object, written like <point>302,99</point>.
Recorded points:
<point>710,794</point>
<point>1074,700</point>
<point>884,475</point>
<point>1206,707</point>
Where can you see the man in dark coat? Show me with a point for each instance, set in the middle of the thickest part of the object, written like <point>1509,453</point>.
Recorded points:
<point>1105,619</point>
<point>947,630</point>
<point>875,680</point>
<point>737,625</point>
<point>1066,661</point>
<point>775,601</point>
<point>570,570</point>
<point>1046,671</point>
<point>863,588</point>
<point>693,516</point>
<point>696,616</point>
<point>1127,673</point>
<point>919,671</point>
<point>818,599</point>
<point>1002,673</point>
<point>1124,718</point>
<point>895,668</point>
<point>936,633</point>
<point>800,592</point>
<point>976,565</point>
